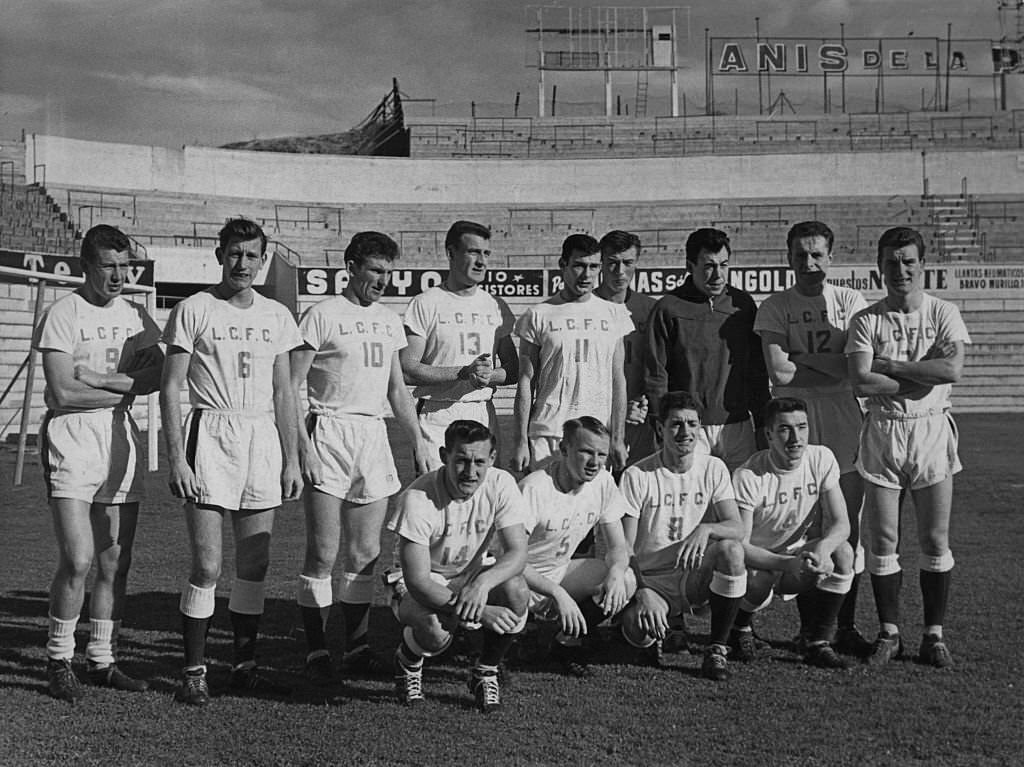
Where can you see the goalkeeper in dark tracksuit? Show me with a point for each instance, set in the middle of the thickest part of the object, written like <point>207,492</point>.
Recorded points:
<point>701,340</point>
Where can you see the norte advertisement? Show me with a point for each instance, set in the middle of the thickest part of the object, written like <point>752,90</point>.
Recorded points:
<point>139,273</point>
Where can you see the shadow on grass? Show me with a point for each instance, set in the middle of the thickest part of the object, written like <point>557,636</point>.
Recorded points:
<point>150,644</point>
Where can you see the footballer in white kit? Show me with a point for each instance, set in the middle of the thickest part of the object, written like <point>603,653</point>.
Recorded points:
<point>445,523</point>
<point>99,351</point>
<point>459,341</point>
<point>796,528</point>
<point>685,532</point>
<point>904,352</point>
<point>570,361</point>
<point>566,500</point>
<point>349,364</point>
<point>803,335</point>
<point>230,346</point>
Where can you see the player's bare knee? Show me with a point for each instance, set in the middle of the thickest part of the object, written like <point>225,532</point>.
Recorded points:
<point>430,639</point>
<point>843,558</point>
<point>513,593</point>
<point>934,543</point>
<point>360,558</point>
<point>204,575</point>
<point>317,568</point>
<point>74,565</point>
<point>319,559</point>
<point>728,557</point>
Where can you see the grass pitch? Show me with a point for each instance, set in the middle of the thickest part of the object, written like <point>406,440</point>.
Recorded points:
<point>776,711</point>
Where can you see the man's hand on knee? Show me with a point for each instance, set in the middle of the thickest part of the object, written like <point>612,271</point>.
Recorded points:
<point>499,619</point>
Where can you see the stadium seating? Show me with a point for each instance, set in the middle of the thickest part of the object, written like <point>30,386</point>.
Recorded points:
<point>530,235</point>
<point>589,137</point>
<point>967,228</point>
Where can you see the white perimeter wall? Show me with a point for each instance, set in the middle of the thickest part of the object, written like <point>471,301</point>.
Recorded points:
<point>338,179</point>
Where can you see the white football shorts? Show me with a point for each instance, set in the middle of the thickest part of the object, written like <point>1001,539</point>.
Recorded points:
<point>356,456</point>
<point>92,456</point>
<point>236,457</point>
<point>437,415</point>
<point>914,452</point>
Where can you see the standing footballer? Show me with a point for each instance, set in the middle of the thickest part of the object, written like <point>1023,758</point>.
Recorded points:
<point>570,361</point>
<point>459,343</point>
<point>237,453</point>
<point>904,352</point>
<point>620,252</point>
<point>349,360</point>
<point>99,351</point>
<point>701,339</point>
<point>803,334</point>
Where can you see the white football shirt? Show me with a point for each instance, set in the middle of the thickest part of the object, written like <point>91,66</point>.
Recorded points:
<point>811,325</point>
<point>103,338</point>
<point>457,532</point>
<point>786,504</point>
<point>576,342</point>
<point>233,349</point>
<point>457,329</point>
<point>907,337</point>
<point>559,521</point>
<point>669,505</point>
<point>354,347</point>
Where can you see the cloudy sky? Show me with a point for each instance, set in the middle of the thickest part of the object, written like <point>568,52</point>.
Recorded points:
<point>173,72</point>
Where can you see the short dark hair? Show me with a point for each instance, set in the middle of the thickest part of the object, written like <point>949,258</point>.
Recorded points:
<point>677,400</point>
<point>364,245</point>
<point>459,228</point>
<point>780,405</point>
<point>581,242</point>
<point>899,237</point>
<point>809,229</point>
<point>618,241</point>
<point>465,431</point>
<point>706,238</point>
<point>242,230</point>
<point>103,237</point>
<point>574,426</point>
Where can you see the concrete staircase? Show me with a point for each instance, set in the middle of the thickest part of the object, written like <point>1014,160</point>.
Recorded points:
<point>956,231</point>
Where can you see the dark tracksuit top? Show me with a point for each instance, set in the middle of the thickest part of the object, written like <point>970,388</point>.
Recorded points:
<point>708,348</point>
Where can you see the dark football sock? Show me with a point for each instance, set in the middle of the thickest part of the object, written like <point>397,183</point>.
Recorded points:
<point>848,610</point>
<point>887,596</point>
<point>495,647</point>
<point>245,628</point>
<point>193,631</point>
<point>935,595</point>
<point>723,617</point>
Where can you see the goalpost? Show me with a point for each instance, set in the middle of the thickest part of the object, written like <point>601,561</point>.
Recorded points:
<point>42,280</point>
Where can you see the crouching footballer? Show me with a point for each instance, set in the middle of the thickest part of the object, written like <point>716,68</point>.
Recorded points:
<point>796,529</point>
<point>445,524</point>
<point>685,530</point>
